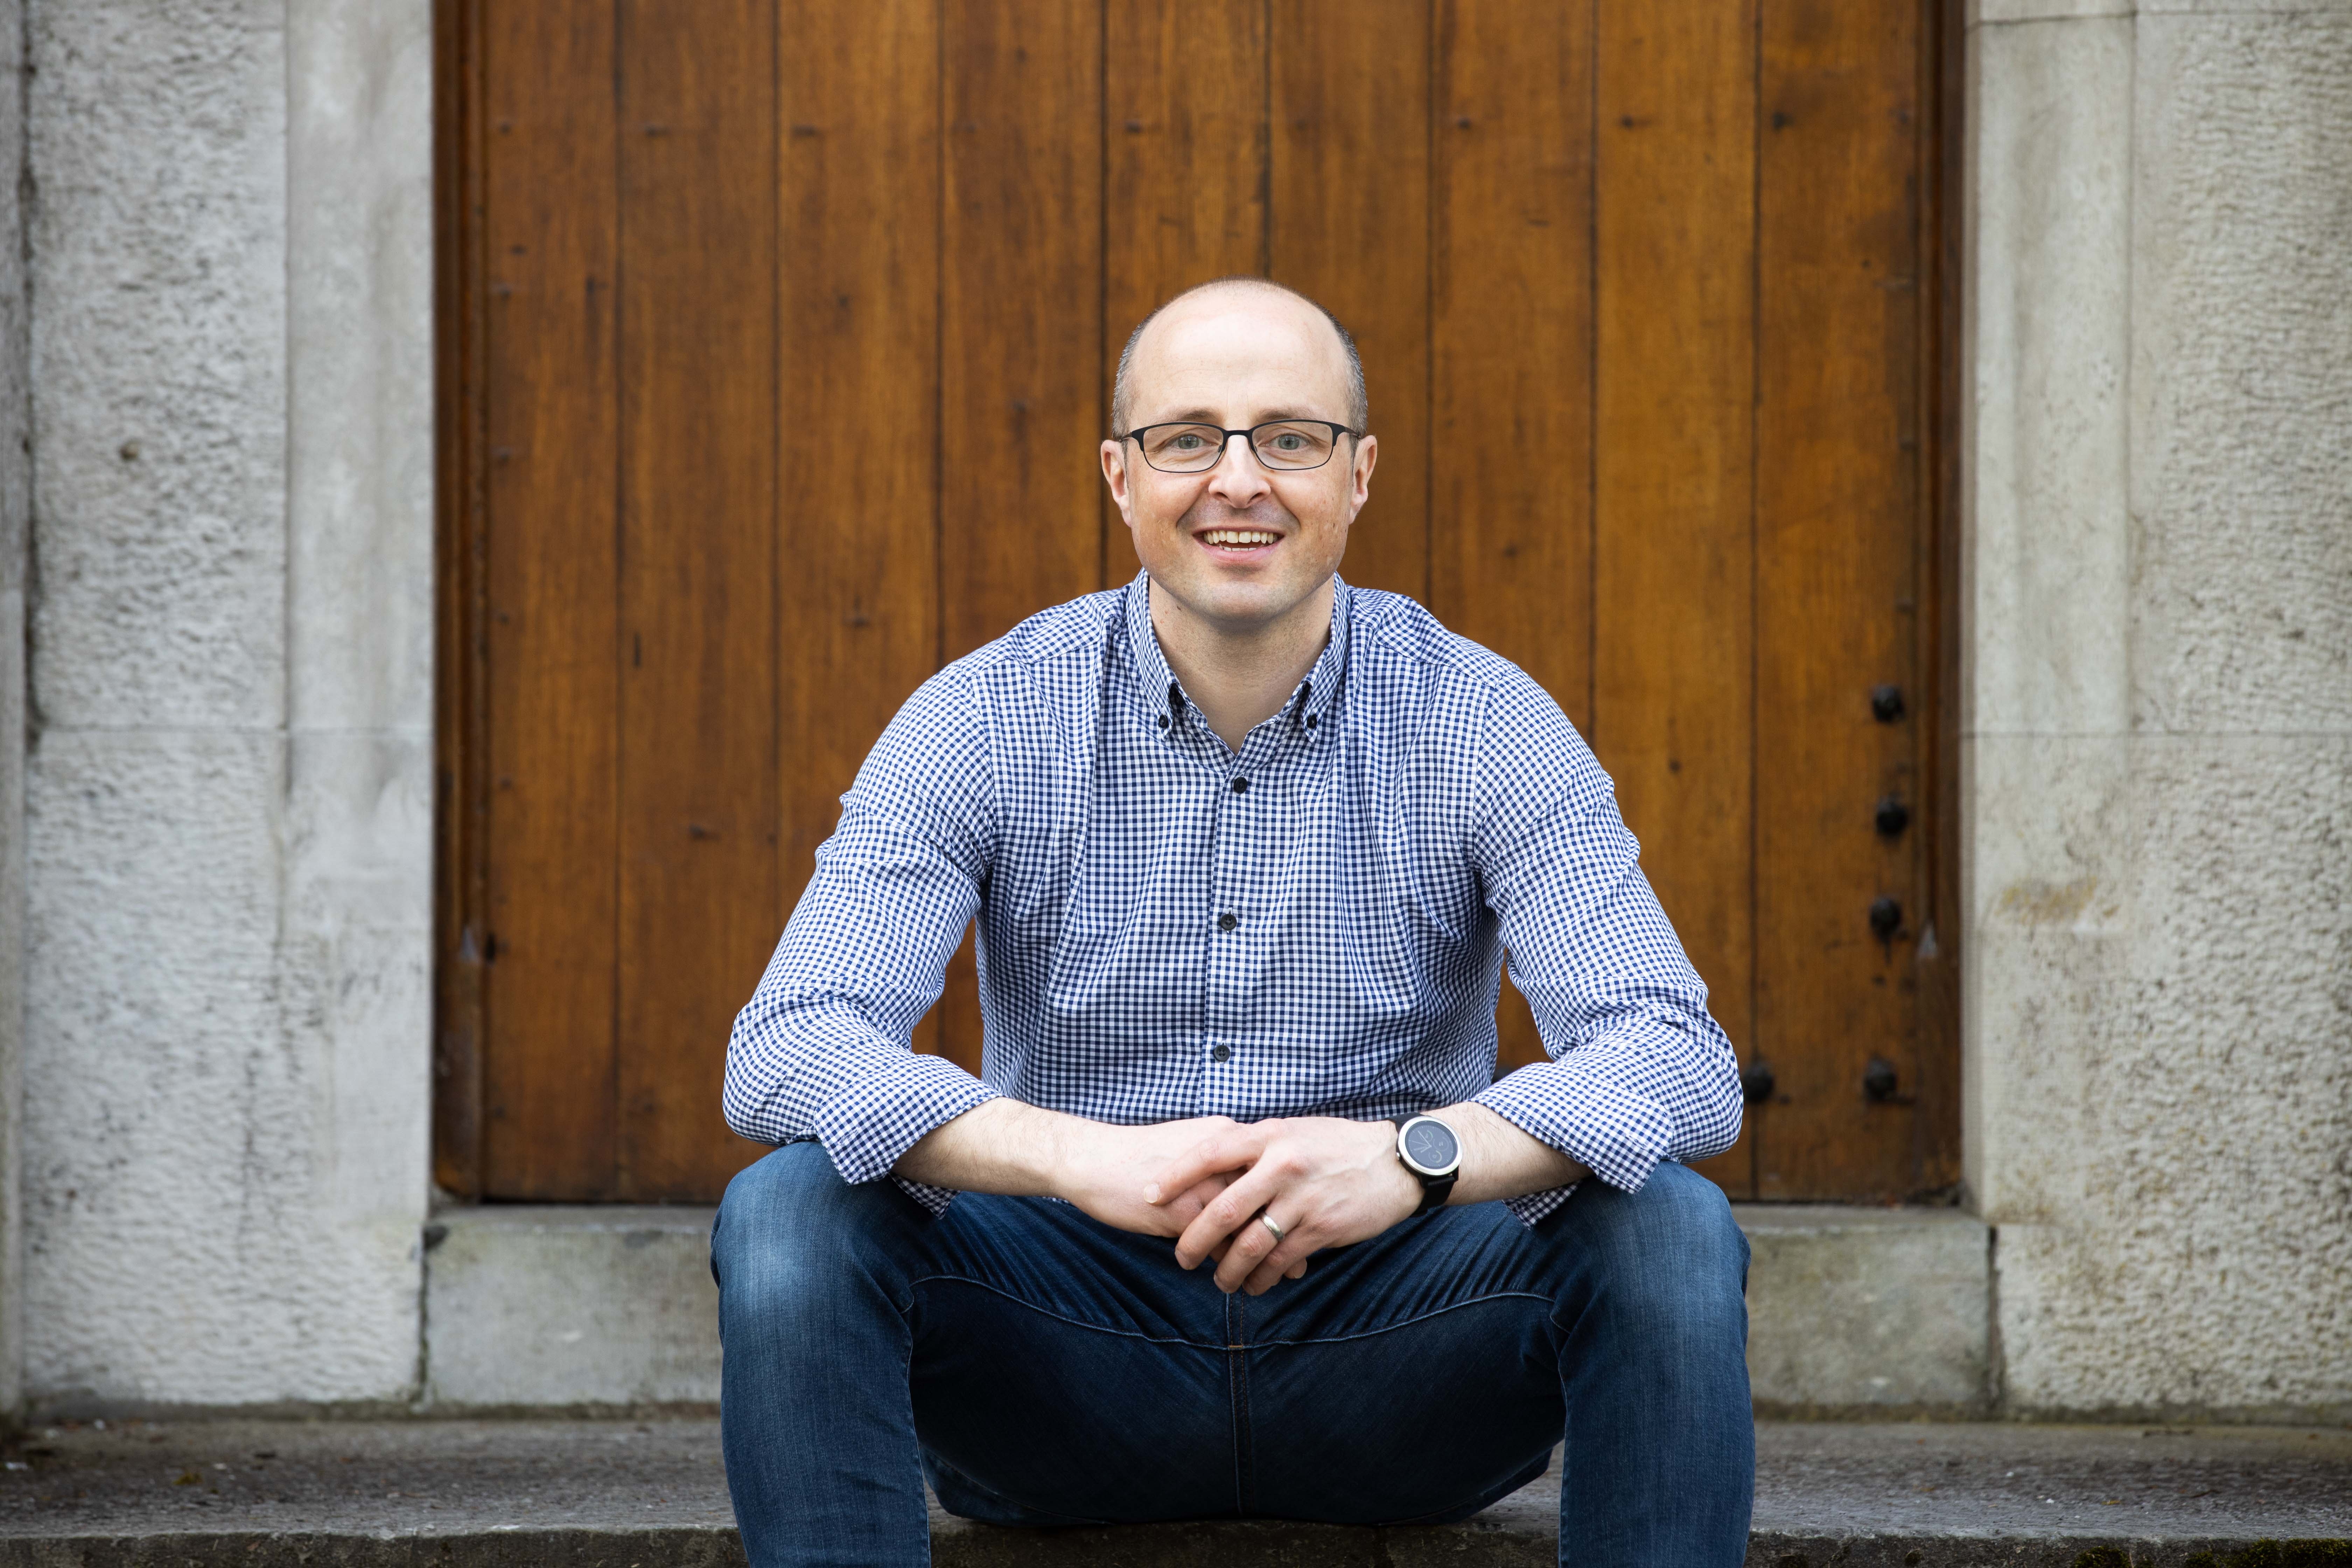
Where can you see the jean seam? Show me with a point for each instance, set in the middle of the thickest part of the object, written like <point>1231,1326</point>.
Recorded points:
<point>1237,1363</point>
<point>1409,1323</point>
<point>912,1285</point>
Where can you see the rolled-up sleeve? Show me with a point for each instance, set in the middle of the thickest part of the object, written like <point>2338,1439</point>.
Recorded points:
<point>824,1048</point>
<point>1639,1071</point>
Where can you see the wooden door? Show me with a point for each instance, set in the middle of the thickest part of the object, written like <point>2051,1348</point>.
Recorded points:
<point>777,337</point>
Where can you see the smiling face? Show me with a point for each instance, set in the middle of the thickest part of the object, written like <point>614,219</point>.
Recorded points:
<point>1239,548</point>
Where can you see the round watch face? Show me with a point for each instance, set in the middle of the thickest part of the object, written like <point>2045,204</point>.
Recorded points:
<point>1430,1147</point>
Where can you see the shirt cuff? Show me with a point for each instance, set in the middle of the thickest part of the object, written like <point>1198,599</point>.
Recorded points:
<point>933,1199</point>
<point>1572,1106</point>
<point>869,1126</point>
<point>1531,1209</point>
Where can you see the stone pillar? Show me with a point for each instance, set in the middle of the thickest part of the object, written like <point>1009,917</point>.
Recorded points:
<point>2157,706</point>
<point>228,796</point>
<point>16,475</point>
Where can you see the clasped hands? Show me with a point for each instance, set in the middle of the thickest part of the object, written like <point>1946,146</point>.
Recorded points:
<point>1327,1182</point>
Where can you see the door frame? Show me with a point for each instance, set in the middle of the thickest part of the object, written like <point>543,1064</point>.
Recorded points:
<point>460,796</point>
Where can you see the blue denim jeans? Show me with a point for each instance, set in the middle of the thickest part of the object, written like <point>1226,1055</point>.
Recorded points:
<point>1042,1368</point>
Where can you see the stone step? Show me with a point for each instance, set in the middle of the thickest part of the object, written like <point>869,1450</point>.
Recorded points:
<point>1852,1312</point>
<point>622,1494</point>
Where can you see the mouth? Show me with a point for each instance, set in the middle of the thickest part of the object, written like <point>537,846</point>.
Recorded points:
<point>1237,541</point>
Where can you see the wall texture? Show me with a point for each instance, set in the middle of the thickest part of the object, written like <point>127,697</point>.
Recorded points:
<point>2157,714</point>
<point>15,561</point>
<point>228,774</point>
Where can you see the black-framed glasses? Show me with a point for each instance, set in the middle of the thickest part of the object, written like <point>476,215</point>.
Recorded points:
<point>1289,446</point>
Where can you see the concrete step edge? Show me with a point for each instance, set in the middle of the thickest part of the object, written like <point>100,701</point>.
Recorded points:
<point>1220,1544</point>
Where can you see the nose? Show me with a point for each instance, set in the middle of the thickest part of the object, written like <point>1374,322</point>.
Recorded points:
<point>1238,479</point>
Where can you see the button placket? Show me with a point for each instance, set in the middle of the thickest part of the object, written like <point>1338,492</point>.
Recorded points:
<point>1248,819</point>
<point>1229,966</point>
<point>1226,946</point>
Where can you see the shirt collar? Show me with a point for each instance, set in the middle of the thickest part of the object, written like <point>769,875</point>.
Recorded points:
<point>1309,706</point>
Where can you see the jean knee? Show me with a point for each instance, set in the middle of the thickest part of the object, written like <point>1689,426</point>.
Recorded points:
<point>1701,1219</point>
<point>1673,1250</point>
<point>790,1232</point>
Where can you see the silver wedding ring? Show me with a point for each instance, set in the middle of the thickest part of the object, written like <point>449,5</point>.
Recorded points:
<point>1266,1220</point>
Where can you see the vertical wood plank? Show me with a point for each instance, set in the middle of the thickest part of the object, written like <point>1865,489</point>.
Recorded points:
<point>551,221</point>
<point>858,421</point>
<point>1838,504</point>
<point>1673,453</point>
<point>1510,521</point>
<point>698,635</point>
<point>1021,293</point>
<point>1184,142</point>
<point>1511,338</point>
<point>1349,182</point>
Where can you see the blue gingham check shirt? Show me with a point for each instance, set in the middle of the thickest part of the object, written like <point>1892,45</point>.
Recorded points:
<point>1314,926</point>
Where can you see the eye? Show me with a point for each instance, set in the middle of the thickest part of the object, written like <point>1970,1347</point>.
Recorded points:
<point>1290,441</point>
<point>1187,442</point>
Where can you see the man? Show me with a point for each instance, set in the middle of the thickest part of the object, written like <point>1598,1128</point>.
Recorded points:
<point>1245,847</point>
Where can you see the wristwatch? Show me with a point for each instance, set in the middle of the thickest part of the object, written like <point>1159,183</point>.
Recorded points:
<point>1433,1155</point>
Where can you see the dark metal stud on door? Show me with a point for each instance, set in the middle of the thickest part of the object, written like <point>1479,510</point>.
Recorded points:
<point>1879,1081</point>
<point>1885,918</point>
<point>1892,818</point>
<point>1756,1082</point>
<point>1886,704</point>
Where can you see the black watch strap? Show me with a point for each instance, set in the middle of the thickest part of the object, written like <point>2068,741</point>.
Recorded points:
<point>1436,1190</point>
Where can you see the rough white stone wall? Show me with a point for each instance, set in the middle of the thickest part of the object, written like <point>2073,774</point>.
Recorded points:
<point>2157,709</point>
<point>16,471</point>
<point>228,774</point>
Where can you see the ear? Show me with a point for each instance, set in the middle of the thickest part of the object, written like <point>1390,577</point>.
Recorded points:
<point>1114,468</point>
<point>1360,479</point>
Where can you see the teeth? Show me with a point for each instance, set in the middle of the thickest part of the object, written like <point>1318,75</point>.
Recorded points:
<point>1238,536</point>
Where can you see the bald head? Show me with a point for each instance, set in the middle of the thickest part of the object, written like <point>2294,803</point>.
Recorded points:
<point>1208,298</point>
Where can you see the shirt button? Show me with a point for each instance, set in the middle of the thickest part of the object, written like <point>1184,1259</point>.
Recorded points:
<point>1241,786</point>
<point>1218,1053</point>
<point>1311,721</point>
<point>1227,922</point>
<point>1163,720</point>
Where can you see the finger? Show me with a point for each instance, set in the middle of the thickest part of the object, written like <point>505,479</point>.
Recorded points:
<point>1225,1151</point>
<point>1267,1276</point>
<point>1224,1216</point>
<point>1259,1249</point>
<point>1224,1220</point>
<point>1186,1207</point>
<point>1288,1261</point>
<point>1256,1250</point>
<point>1226,1154</point>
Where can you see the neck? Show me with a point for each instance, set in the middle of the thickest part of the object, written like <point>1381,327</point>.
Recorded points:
<point>1240,677</point>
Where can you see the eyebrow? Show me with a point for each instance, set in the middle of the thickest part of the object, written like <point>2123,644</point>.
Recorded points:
<point>1210,416</point>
